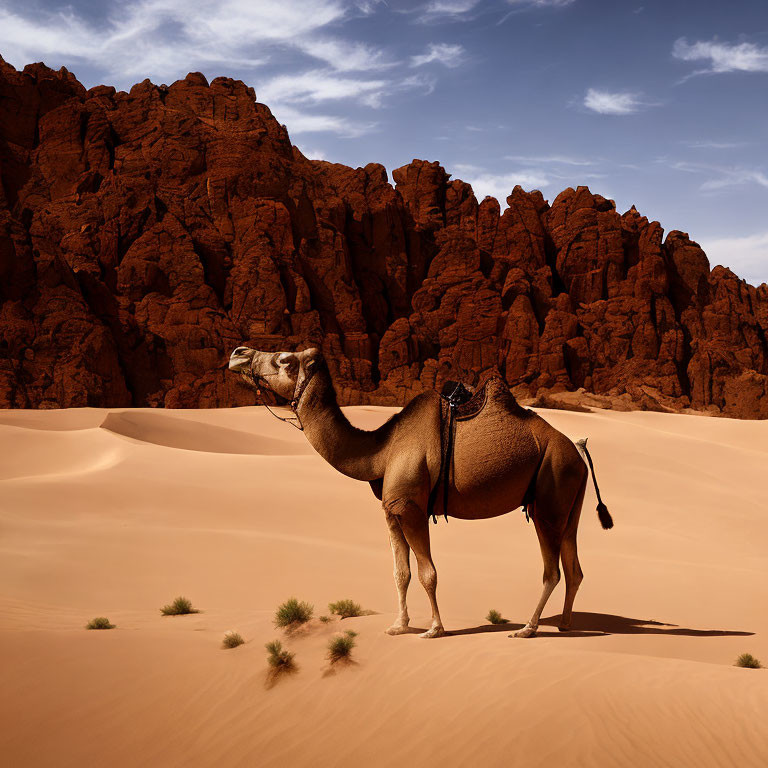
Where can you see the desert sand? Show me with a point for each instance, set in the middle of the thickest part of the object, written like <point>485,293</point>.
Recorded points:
<point>116,512</point>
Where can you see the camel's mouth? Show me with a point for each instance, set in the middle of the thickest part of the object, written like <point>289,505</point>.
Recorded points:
<point>240,359</point>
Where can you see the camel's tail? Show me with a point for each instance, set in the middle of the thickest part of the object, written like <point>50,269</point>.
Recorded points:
<point>602,511</point>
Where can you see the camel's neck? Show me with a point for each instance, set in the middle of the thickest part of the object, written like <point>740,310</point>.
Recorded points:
<point>354,452</point>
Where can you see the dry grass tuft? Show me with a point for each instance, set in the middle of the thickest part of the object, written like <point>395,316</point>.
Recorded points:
<point>748,661</point>
<point>494,617</point>
<point>280,662</point>
<point>340,647</point>
<point>179,607</point>
<point>277,656</point>
<point>232,640</point>
<point>346,609</point>
<point>293,613</point>
<point>100,622</point>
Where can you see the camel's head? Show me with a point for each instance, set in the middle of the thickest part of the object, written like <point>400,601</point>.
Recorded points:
<point>278,372</point>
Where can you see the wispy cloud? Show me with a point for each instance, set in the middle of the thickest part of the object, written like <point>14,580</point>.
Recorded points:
<point>500,185</point>
<point>715,144</point>
<point>722,57</point>
<point>345,56</point>
<point>519,6</point>
<point>437,11</point>
<point>554,159</point>
<point>367,7</point>
<point>612,102</point>
<point>734,178</point>
<point>542,3</point>
<point>447,54</point>
<point>460,10</point>
<point>721,177</point>
<point>746,255</point>
<point>317,86</point>
<point>300,122</point>
<point>313,154</point>
<point>424,83</point>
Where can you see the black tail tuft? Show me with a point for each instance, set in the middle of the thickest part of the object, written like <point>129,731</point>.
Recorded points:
<point>605,516</point>
<point>602,511</point>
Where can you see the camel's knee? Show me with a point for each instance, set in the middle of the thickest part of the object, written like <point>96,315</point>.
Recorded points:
<point>552,577</point>
<point>573,576</point>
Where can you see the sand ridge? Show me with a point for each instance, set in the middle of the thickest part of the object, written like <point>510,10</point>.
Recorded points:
<point>115,512</point>
<point>187,435</point>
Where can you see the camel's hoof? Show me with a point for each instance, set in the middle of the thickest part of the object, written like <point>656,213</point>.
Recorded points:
<point>434,632</point>
<point>396,629</point>
<point>526,632</point>
<point>563,629</point>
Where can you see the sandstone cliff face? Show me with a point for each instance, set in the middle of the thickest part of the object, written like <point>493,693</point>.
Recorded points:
<point>143,235</point>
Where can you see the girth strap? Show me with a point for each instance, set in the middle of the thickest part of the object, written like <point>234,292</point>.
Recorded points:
<point>447,436</point>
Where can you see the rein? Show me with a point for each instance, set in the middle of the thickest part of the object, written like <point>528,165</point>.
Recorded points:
<point>260,380</point>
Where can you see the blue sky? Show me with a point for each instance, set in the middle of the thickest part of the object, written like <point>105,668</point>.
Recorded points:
<point>663,104</point>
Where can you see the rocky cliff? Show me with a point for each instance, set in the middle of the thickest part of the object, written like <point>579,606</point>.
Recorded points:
<point>143,235</point>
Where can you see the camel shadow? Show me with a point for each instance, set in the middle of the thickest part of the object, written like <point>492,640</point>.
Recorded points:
<point>511,626</point>
<point>610,624</point>
<point>586,624</point>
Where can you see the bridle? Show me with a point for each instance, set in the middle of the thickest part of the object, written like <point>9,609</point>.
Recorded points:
<point>259,380</point>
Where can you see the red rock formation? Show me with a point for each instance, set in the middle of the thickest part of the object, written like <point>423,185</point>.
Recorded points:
<point>143,235</point>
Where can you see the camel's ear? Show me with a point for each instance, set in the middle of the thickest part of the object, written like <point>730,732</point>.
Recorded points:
<point>288,359</point>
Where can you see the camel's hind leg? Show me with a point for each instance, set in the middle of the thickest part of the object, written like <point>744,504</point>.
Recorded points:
<point>549,541</point>
<point>570,558</point>
<point>401,554</point>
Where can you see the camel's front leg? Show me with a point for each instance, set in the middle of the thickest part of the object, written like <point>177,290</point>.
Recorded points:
<point>415,525</point>
<point>401,554</point>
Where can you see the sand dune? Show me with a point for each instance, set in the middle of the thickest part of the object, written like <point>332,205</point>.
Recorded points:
<point>116,512</point>
<point>196,436</point>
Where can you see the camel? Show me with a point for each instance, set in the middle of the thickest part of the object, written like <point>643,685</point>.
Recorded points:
<point>503,457</point>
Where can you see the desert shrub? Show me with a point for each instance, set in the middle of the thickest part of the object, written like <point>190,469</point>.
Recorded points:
<point>340,647</point>
<point>100,622</point>
<point>179,607</point>
<point>232,640</point>
<point>325,619</point>
<point>293,613</point>
<point>345,608</point>
<point>277,657</point>
<point>494,617</point>
<point>749,661</point>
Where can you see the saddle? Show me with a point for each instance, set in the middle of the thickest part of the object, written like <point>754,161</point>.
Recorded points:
<point>459,402</point>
